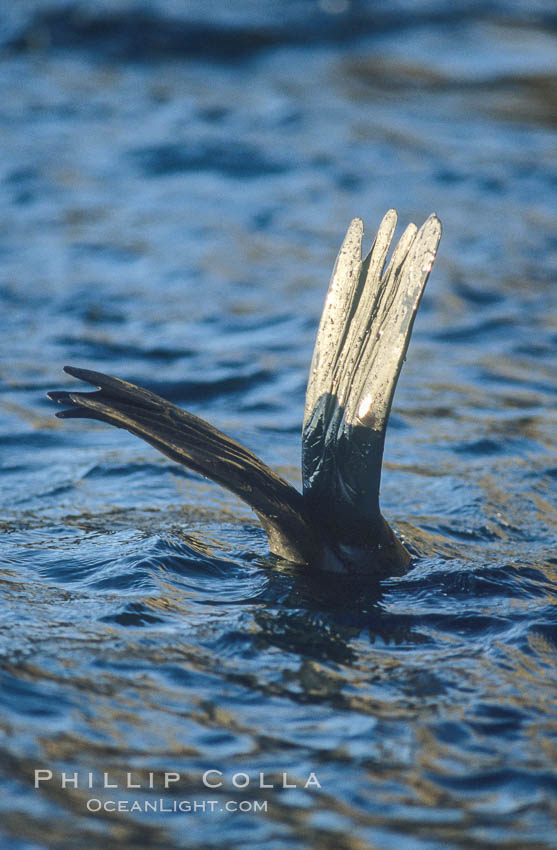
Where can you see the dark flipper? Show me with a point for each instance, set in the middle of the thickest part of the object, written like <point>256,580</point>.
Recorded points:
<point>361,344</point>
<point>362,340</point>
<point>196,444</point>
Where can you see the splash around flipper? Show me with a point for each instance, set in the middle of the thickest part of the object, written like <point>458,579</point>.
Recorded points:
<point>336,525</point>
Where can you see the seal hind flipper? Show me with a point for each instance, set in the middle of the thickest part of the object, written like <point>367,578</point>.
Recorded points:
<point>195,443</point>
<point>361,343</point>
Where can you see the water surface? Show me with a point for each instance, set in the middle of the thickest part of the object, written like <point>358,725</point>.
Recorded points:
<point>174,187</point>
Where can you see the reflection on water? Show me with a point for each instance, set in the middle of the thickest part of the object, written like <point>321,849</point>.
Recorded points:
<point>174,188</point>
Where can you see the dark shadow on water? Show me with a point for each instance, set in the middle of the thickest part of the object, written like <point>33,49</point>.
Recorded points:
<point>318,615</point>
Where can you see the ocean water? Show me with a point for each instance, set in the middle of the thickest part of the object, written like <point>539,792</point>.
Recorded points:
<point>175,182</point>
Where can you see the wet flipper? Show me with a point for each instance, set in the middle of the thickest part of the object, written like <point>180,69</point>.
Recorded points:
<point>193,442</point>
<point>361,344</point>
<point>362,340</point>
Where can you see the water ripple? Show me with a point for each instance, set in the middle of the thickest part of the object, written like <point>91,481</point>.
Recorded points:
<point>176,178</point>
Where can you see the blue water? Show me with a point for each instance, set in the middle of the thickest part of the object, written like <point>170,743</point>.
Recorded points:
<point>175,181</point>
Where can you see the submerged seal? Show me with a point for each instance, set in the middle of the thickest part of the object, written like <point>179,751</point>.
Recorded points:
<point>365,329</point>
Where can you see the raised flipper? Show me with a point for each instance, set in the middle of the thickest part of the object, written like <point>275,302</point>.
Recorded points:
<point>363,336</point>
<point>361,344</point>
<point>196,444</point>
